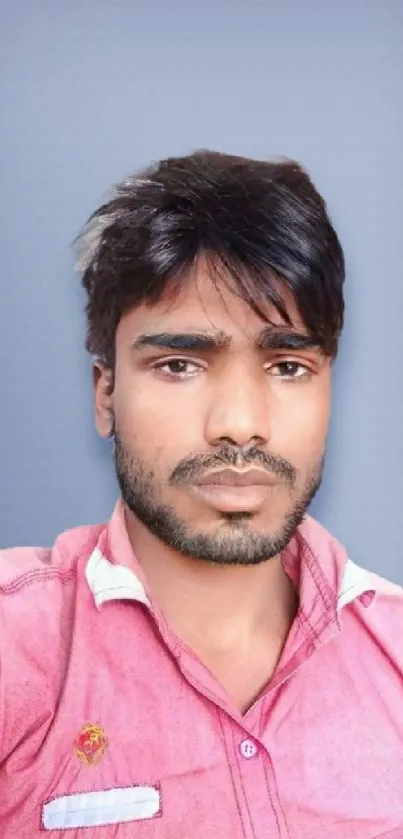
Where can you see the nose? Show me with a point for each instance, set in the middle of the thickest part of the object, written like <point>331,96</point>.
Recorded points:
<point>238,412</point>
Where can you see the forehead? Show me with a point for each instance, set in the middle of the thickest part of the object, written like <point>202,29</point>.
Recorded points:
<point>202,304</point>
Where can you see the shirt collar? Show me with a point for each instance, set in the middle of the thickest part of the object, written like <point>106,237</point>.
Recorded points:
<point>327,580</point>
<point>113,571</point>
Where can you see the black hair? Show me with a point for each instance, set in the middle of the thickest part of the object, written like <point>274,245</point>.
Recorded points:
<point>263,226</point>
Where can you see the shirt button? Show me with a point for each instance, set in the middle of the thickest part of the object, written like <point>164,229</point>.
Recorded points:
<point>248,748</point>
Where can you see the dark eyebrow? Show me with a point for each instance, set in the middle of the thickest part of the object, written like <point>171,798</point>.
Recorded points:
<point>276,338</point>
<point>182,341</point>
<point>271,338</point>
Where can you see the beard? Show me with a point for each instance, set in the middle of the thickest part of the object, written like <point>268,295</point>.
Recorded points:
<point>236,543</point>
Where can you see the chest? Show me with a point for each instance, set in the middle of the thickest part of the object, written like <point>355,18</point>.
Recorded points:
<point>320,755</point>
<point>243,676</point>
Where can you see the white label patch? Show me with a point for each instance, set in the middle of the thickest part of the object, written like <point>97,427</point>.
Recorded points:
<point>93,809</point>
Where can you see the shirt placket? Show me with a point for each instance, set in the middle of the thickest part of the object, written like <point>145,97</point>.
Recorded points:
<point>251,771</point>
<point>253,780</point>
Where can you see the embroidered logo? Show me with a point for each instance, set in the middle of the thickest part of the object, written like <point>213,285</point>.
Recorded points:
<point>90,744</point>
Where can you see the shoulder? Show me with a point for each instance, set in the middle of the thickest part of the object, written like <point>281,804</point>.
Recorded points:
<point>38,601</point>
<point>24,568</point>
<point>375,605</point>
<point>383,597</point>
<point>353,583</point>
<point>37,583</point>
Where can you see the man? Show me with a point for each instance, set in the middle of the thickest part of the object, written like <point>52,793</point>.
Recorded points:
<point>209,665</point>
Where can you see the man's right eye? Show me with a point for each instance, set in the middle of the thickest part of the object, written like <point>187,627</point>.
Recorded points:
<point>177,368</point>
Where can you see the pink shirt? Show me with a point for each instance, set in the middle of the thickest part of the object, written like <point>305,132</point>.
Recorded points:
<point>111,727</point>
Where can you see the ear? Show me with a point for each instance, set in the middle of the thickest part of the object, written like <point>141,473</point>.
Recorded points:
<point>103,384</point>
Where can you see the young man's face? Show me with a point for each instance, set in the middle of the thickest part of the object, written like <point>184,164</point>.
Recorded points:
<point>200,388</point>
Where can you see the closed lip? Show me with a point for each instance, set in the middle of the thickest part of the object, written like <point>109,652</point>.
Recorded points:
<point>236,478</point>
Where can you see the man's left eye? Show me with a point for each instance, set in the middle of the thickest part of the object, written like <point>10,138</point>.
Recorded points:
<point>289,370</point>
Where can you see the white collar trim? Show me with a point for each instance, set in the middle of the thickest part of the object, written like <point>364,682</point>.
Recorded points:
<point>112,582</point>
<point>116,582</point>
<point>356,582</point>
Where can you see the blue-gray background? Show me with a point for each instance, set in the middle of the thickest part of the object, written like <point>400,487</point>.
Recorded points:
<point>93,89</point>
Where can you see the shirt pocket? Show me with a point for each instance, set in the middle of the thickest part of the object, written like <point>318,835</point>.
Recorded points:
<point>102,807</point>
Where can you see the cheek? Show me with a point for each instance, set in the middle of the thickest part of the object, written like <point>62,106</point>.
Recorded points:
<point>301,430</point>
<point>161,426</point>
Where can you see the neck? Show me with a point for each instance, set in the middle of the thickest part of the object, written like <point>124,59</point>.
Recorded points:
<point>215,607</point>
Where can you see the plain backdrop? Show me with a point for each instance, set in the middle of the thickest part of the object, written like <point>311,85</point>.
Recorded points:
<point>92,90</point>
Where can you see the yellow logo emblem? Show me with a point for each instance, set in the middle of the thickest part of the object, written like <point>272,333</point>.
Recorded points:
<point>90,744</point>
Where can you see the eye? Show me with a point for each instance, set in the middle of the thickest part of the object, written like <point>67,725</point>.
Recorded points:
<point>289,370</point>
<point>177,368</point>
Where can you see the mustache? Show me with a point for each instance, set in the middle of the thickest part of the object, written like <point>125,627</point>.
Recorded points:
<point>195,467</point>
